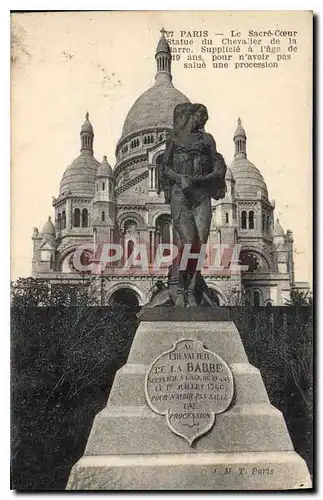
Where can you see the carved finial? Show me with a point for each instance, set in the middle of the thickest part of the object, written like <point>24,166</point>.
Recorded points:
<point>163,59</point>
<point>239,121</point>
<point>87,115</point>
<point>49,218</point>
<point>105,158</point>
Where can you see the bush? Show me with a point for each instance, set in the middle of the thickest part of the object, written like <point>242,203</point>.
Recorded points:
<point>64,360</point>
<point>63,365</point>
<point>278,341</point>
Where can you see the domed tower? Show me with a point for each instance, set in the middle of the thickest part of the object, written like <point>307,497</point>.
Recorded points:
<point>73,206</point>
<point>104,209</point>
<point>254,210</point>
<point>224,227</point>
<point>45,245</point>
<point>281,250</point>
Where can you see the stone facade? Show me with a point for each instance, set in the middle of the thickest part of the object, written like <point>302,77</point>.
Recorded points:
<point>98,204</point>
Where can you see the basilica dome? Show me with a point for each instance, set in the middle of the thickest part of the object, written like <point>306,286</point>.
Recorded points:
<point>249,182</point>
<point>79,177</point>
<point>248,179</point>
<point>154,108</point>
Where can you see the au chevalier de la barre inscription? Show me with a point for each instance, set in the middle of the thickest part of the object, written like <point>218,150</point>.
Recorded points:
<point>189,385</point>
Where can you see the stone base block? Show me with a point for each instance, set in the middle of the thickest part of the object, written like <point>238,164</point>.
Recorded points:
<point>203,471</point>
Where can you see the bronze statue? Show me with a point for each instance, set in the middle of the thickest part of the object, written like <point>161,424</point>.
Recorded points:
<point>191,174</point>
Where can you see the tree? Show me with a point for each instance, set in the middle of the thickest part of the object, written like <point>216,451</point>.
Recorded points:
<point>299,298</point>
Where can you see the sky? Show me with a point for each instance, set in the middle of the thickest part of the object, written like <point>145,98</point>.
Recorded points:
<point>65,64</point>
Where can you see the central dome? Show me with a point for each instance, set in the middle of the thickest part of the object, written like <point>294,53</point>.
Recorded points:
<point>154,108</point>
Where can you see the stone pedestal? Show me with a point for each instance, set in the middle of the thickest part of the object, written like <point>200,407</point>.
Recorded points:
<point>132,448</point>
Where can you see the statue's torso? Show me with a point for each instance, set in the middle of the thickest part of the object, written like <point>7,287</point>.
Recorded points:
<point>192,157</point>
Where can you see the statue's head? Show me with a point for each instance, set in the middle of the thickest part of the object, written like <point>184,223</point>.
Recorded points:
<point>199,116</point>
<point>189,117</point>
<point>182,115</point>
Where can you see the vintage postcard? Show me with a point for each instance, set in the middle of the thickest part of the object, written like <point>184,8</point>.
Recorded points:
<point>161,250</point>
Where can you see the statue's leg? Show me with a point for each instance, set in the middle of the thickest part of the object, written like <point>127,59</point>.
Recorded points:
<point>202,217</point>
<point>185,226</point>
<point>180,299</point>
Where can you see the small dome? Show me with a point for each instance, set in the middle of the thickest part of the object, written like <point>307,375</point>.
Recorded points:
<point>239,131</point>
<point>278,230</point>
<point>87,126</point>
<point>248,179</point>
<point>79,177</point>
<point>49,228</point>
<point>154,108</point>
<point>104,169</point>
<point>162,45</point>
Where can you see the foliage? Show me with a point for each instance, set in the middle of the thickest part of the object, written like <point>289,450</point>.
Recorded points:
<point>299,299</point>
<point>279,341</point>
<point>63,363</point>
<point>32,292</point>
<point>64,360</point>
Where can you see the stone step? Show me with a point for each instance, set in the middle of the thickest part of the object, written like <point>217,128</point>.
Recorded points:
<point>129,383</point>
<point>137,429</point>
<point>154,337</point>
<point>201,471</point>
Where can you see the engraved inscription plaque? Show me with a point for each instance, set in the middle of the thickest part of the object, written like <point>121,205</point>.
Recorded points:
<point>190,385</point>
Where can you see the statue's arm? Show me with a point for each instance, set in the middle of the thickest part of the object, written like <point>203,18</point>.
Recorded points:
<point>169,173</point>
<point>217,160</point>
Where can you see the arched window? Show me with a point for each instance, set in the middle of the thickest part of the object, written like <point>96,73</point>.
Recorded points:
<point>244,219</point>
<point>263,222</point>
<point>165,235</point>
<point>103,186</point>
<point>226,217</point>
<point>97,186</point>
<point>268,224</point>
<point>130,226</point>
<point>256,299</point>
<point>251,218</point>
<point>134,143</point>
<point>85,217</point>
<point>164,232</point>
<point>103,216</point>
<point>59,222</point>
<point>130,246</point>
<point>77,217</point>
<point>63,219</point>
